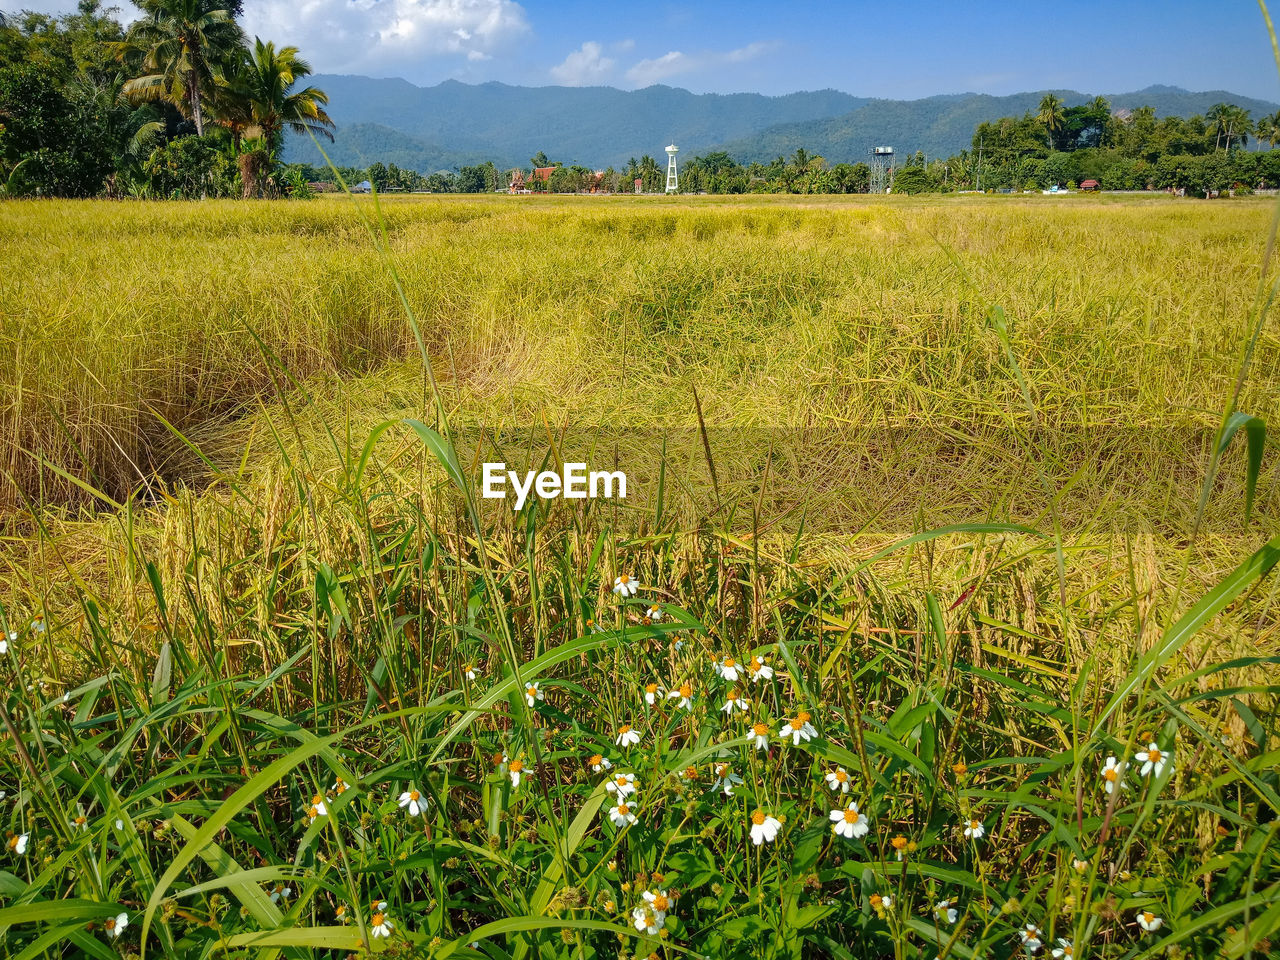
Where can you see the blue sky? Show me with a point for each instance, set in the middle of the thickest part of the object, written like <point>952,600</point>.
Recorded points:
<point>901,50</point>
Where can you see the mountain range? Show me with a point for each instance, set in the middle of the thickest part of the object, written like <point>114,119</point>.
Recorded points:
<point>453,123</point>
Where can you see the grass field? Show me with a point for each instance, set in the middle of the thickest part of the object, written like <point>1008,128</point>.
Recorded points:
<point>281,684</point>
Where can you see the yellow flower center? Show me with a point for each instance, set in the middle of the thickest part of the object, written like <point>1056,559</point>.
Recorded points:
<point>974,824</point>
<point>1148,917</point>
<point>729,662</point>
<point>622,781</point>
<point>111,923</point>
<point>531,691</point>
<point>852,816</point>
<point>378,918</point>
<point>661,903</point>
<point>876,899</point>
<point>625,728</point>
<point>517,766</point>
<point>758,817</point>
<point>731,695</point>
<point>313,813</point>
<point>802,717</point>
<point>1153,755</point>
<point>686,690</point>
<point>80,821</point>
<point>796,724</point>
<point>414,795</point>
<point>841,776</point>
<point>594,759</point>
<point>761,729</point>
<point>691,773</point>
<point>651,688</point>
<point>623,809</point>
<point>317,800</point>
<point>1110,774</point>
<point>721,769</point>
<point>624,579</point>
<point>899,843</point>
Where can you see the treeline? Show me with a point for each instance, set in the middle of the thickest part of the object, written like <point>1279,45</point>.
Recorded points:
<point>1120,150</point>
<point>179,103</point>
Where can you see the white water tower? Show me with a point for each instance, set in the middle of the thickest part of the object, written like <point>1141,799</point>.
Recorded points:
<point>672,183</point>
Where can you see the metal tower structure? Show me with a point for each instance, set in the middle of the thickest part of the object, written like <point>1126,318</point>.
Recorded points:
<point>672,181</point>
<point>881,169</point>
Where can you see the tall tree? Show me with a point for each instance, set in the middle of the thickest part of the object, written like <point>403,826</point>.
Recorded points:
<point>1050,114</point>
<point>260,94</point>
<point>181,44</point>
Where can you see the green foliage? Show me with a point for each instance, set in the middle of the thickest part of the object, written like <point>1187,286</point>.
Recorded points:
<point>191,168</point>
<point>60,136</point>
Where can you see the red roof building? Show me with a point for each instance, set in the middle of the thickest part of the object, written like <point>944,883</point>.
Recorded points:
<point>1090,185</point>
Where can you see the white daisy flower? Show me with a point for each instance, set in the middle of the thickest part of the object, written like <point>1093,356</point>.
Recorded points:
<point>532,693</point>
<point>411,802</point>
<point>760,735</point>
<point>18,844</point>
<point>838,780</point>
<point>115,925</point>
<point>623,784</point>
<point>119,823</point>
<point>1065,950</point>
<point>653,614</point>
<point>945,911</point>
<point>974,830</point>
<point>684,694</point>
<point>627,737</point>
<point>881,900</point>
<point>1112,774</point>
<point>339,787</point>
<point>516,770</point>
<point>4,643</point>
<point>1148,921</point>
<point>726,779</point>
<point>80,822</point>
<point>599,762</point>
<point>728,669</point>
<point>622,815</point>
<point>281,893</point>
<point>652,693</point>
<point>798,729</point>
<point>657,903</point>
<point>318,807</point>
<point>646,921</point>
<point>37,623</point>
<point>1030,935</point>
<point>1153,760</point>
<point>380,923</point>
<point>849,823</point>
<point>734,701</point>
<point>469,671</point>
<point>625,586</point>
<point>764,828</point>
<point>758,670</point>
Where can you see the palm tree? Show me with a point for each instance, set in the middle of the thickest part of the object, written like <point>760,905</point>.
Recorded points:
<point>1268,129</point>
<point>258,98</point>
<point>182,44</point>
<point>1050,115</point>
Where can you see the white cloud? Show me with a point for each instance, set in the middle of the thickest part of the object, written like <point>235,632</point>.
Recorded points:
<point>585,66</point>
<point>675,62</point>
<point>387,36</point>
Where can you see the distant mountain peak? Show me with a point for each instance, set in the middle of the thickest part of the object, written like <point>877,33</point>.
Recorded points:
<point>454,123</point>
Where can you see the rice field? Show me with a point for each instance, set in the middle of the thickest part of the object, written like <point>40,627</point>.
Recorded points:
<point>940,618</point>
